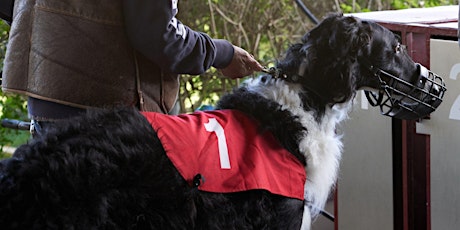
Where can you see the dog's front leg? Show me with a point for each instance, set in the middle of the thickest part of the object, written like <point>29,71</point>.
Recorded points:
<point>306,218</point>
<point>323,153</point>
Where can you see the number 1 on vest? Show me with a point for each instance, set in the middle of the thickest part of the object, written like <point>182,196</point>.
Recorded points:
<point>214,126</point>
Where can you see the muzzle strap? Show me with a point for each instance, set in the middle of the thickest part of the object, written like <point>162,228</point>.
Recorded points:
<point>423,97</point>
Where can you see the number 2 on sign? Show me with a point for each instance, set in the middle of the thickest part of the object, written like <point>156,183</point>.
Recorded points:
<point>214,126</point>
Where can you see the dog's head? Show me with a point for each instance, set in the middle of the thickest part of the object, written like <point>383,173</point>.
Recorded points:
<point>343,54</point>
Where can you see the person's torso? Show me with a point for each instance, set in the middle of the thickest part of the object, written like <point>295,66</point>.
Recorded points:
<point>76,53</point>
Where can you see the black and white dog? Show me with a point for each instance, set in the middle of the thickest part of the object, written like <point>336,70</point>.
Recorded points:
<point>128,170</point>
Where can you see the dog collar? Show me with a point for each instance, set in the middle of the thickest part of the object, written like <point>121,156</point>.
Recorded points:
<point>276,72</point>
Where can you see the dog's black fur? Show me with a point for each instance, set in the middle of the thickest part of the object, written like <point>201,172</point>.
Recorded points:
<point>108,169</point>
<point>98,172</point>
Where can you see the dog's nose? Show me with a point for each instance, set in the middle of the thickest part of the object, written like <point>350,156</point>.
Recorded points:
<point>430,81</point>
<point>435,90</point>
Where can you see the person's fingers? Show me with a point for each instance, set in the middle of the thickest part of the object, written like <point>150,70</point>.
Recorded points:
<point>255,65</point>
<point>242,64</point>
<point>250,61</point>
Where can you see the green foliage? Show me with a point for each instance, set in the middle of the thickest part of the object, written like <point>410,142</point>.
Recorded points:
<point>11,106</point>
<point>204,89</point>
<point>262,27</point>
<point>4,155</point>
<point>353,6</point>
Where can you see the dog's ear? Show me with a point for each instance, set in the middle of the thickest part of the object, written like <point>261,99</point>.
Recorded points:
<point>350,35</point>
<point>364,34</point>
<point>336,42</point>
<point>363,37</point>
<point>341,35</point>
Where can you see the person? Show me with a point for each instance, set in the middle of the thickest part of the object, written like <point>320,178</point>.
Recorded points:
<point>71,55</point>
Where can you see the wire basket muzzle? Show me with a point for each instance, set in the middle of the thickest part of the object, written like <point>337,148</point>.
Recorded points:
<point>401,99</point>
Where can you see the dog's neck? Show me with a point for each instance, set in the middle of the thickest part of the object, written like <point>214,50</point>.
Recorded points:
<point>277,105</point>
<point>271,109</point>
<point>310,137</point>
<point>277,72</point>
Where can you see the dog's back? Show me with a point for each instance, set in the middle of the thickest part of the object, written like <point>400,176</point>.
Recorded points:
<point>95,172</point>
<point>108,170</point>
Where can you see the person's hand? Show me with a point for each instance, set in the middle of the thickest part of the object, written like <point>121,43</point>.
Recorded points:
<point>242,64</point>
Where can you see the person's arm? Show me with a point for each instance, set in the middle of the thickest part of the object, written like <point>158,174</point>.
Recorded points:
<point>155,32</point>
<point>6,10</point>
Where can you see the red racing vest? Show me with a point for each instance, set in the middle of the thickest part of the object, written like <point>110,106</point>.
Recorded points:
<point>230,153</point>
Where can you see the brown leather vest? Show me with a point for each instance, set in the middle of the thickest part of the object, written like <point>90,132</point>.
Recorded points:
<point>76,52</point>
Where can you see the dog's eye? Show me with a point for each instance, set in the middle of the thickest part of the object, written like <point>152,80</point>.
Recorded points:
<point>399,48</point>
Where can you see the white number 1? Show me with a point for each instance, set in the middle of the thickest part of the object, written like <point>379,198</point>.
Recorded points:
<point>214,126</point>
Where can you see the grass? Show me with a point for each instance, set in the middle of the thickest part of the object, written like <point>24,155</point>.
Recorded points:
<point>4,155</point>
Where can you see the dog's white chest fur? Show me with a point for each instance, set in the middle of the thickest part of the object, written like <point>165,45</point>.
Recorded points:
<point>321,146</point>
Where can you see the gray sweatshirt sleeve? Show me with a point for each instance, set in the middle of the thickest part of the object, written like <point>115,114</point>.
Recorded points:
<point>154,31</point>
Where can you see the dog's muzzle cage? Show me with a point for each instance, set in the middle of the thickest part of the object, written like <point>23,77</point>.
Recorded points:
<point>422,98</point>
